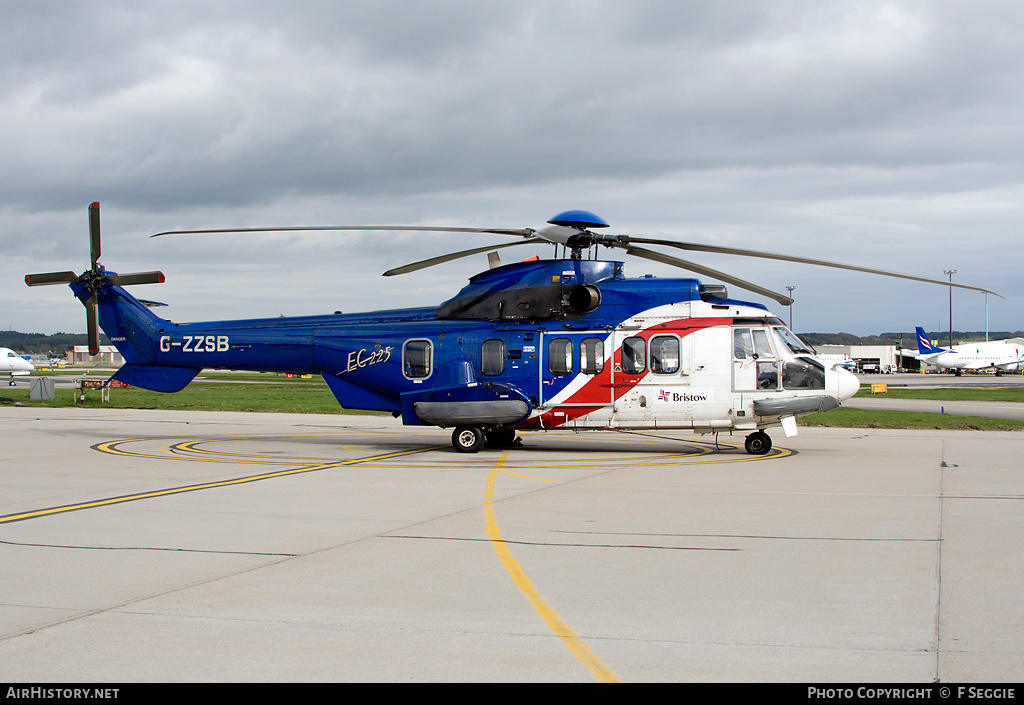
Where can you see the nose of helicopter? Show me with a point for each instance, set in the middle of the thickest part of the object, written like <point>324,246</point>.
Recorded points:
<point>848,383</point>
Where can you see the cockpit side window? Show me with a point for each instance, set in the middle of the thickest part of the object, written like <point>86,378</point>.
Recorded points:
<point>803,373</point>
<point>762,348</point>
<point>742,347</point>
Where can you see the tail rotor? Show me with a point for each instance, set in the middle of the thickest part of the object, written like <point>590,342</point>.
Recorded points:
<point>94,279</point>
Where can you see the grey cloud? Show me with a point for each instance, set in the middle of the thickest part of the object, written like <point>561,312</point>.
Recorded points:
<point>839,129</point>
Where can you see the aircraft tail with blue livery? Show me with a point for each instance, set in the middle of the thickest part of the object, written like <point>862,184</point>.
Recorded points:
<point>924,345</point>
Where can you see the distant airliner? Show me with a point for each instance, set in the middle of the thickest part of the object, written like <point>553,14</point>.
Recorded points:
<point>13,363</point>
<point>999,356</point>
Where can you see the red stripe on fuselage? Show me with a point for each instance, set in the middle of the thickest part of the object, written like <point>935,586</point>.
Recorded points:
<point>599,389</point>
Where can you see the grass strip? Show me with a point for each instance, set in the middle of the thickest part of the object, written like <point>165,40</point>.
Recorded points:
<point>948,393</point>
<point>846,417</point>
<point>200,396</point>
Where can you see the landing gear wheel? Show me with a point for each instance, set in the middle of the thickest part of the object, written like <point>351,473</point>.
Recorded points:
<point>468,439</point>
<point>758,443</point>
<point>501,437</point>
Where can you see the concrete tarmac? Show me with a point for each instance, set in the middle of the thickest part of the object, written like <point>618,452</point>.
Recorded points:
<point>141,546</point>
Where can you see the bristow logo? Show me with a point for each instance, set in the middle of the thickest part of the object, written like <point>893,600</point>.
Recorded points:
<point>666,395</point>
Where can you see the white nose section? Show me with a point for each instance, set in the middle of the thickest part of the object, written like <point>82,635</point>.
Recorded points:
<point>848,383</point>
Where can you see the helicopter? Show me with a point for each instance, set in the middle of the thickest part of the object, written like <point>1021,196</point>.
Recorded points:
<point>562,343</point>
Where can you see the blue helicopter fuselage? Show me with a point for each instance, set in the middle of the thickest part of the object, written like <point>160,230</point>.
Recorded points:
<point>532,345</point>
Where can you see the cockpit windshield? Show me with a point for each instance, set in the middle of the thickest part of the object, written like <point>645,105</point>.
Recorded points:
<point>792,342</point>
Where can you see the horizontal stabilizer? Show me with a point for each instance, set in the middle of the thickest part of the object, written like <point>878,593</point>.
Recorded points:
<point>157,378</point>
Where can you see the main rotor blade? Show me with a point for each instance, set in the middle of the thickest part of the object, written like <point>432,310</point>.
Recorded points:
<point>136,278</point>
<point>803,260</point>
<point>423,264</point>
<point>521,232</point>
<point>94,233</point>
<point>700,269</point>
<point>50,278</point>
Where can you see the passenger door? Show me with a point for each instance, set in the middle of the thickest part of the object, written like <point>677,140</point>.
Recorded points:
<point>575,370</point>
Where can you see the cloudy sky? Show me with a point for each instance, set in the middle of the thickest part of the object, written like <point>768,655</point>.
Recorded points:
<point>885,134</point>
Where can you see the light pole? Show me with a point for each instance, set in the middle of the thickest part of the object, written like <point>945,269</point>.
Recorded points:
<point>950,272</point>
<point>790,290</point>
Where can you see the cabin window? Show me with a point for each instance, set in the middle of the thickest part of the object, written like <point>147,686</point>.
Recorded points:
<point>416,358</point>
<point>560,356</point>
<point>492,357</point>
<point>634,355</point>
<point>664,354</point>
<point>592,356</point>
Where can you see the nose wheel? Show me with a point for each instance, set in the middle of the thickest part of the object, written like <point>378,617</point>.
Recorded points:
<point>758,443</point>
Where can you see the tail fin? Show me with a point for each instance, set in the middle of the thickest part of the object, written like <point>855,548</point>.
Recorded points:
<point>135,331</point>
<point>924,345</point>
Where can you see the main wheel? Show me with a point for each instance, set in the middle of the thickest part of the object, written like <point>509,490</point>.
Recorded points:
<point>500,437</point>
<point>758,443</point>
<point>468,439</point>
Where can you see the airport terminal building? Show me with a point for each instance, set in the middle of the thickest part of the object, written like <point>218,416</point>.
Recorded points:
<point>884,359</point>
<point>872,358</point>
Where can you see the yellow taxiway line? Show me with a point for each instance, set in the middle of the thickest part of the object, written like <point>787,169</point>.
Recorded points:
<point>570,640</point>
<point>201,486</point>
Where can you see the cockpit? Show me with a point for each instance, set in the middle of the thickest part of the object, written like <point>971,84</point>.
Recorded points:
<point>769,356</point>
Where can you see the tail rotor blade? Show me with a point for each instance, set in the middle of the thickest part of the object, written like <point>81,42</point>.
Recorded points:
<point>94,233</point>
<point>92,325</point>
<point>136,278</point>
<point>50,278</point>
